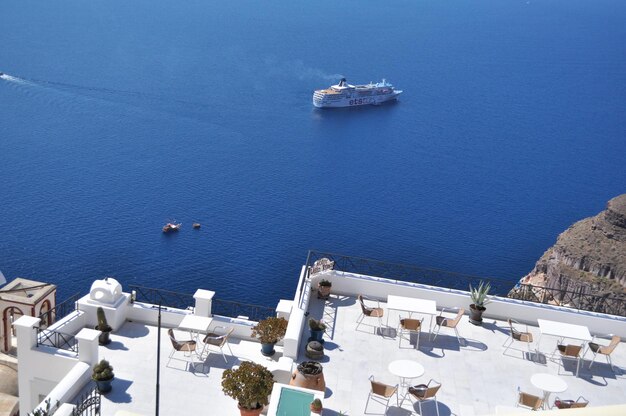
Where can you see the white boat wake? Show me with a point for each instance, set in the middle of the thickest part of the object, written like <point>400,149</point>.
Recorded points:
<point>16,80</point>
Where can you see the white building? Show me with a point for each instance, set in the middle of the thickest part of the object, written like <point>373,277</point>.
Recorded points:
<point>479,376</point>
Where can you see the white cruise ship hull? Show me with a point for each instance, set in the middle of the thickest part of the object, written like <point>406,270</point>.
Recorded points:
<point>347,95</point>
<point>355,101</point>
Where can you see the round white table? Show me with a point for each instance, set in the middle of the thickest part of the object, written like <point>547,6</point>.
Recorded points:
<point>406,370</point>
<point>549,384</point>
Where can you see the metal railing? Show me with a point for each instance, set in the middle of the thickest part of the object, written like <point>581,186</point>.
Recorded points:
<point>222,307</point>
<point>61,310</point>
<point>88,404</point>
<point>244,310</point>
<point>407,273</point>
<point>579,299</point>
<point>56,340</point>
<point>163,297</point>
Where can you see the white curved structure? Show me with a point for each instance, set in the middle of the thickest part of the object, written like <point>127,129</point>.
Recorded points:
<point>347,95</point>
<point>107,290</point>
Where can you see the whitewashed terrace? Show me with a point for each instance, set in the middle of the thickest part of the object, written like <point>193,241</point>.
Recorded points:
<point>477,378</point>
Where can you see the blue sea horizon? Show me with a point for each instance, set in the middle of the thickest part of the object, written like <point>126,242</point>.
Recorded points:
<point>118,117</point>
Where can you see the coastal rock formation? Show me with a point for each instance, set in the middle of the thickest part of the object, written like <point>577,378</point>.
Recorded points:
<point>586,268</point>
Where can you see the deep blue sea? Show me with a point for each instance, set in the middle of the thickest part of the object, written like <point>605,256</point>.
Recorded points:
<point>117,116</point>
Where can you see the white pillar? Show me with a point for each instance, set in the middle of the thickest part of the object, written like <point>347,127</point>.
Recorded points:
<point>25,329</point>
<point>283,310</point>
<point>203,299</point>
<point>88,346</point>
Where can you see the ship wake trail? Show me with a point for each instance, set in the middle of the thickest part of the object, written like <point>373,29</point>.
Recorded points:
<point>136,99</point>
<point>15,80</point>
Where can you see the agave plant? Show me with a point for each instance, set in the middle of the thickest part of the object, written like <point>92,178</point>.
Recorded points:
<point>479,294</point>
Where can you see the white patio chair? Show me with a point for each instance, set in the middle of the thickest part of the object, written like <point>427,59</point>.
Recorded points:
<point>381,393</point>
<point>217,340</point>
<point>517,336</point>
<point>452,323</point>
<point>409,326</point>
<point>423,393</point>
<point>605,350</point>
<point>369,312</point>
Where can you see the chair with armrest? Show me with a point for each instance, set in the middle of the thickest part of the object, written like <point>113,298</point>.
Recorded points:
<point>452,323</point>
<point>570,351</point>
<point>605,350</point>
<point>570,404</point>
<point>381,393</point>
<point>528,400</point>
<point>423,393</point>
<point>517,336</point>
<point>217,340</point>
<point>370,312</point>
<point>187,347</point>
<point>409,326</point>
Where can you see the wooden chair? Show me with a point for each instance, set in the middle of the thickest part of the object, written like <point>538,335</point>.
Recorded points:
<point>442,321</point>
<point>517,335</point>
<point>381,393</point>
<point>370,312</point>
<point>570,351</point>
<point>409,326</point>
<point>186,347</point>
<point>424,392</point>
<point>529,401</point>
<point>605,350</point>
<point>219,341</point>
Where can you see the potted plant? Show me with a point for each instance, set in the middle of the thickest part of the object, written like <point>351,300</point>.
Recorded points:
<point>269,331</point>
<point>103,375</point>
<point>317,328</point>
<point>323,289</point>
<point>316,406</point>
<point>478,295</point>
<point>251,385</point>
<point>103,326</point>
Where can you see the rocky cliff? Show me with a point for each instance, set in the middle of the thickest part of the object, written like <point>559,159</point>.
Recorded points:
<point>586,268</point>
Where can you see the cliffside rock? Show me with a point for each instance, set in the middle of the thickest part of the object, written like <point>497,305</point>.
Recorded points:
<point>588,261</point>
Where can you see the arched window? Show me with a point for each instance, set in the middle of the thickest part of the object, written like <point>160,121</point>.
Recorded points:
<point>9,315</point>
<point>45,314</point>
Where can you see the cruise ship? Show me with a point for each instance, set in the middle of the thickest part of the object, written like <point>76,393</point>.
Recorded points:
<point>347,95</point>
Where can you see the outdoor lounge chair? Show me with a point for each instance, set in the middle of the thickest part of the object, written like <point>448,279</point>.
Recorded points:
<point>409,326</point>
<point>517,335</point>
<point>424,392</point>
<point>219,341</point>
<point>570,351</point>
<point>529,401</point>
<point>605,350</point>
<point>452,323</point>
<point>381,393</point>
<point>186,347</point>
<point>368,312</point>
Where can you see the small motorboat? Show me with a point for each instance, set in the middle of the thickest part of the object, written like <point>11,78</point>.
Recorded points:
<point>196,225</point>
<point>171,226</point>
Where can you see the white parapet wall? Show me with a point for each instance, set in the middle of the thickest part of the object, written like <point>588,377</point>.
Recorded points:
<point>297,317</point>
<point>351,284</point>
<point>43,368</point>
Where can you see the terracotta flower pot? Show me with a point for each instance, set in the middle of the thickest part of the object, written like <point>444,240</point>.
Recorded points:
<point>249,412</point>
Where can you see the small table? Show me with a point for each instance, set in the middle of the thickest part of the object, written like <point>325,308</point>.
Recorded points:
<point>406,370</point>
<point>412,305</point>
<point>562,330</point>
<point>195,324</point>
<point>549,384</point>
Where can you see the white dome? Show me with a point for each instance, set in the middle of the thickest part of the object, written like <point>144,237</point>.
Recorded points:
<point>107,290</point>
